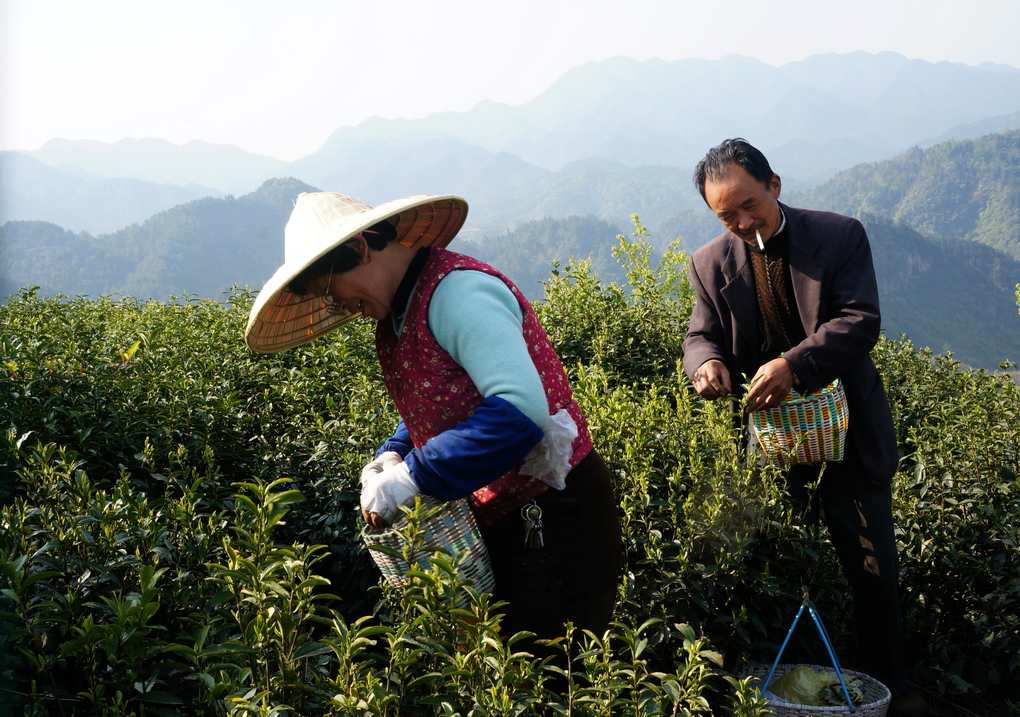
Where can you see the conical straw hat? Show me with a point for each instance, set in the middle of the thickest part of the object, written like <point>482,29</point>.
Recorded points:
<point>321,221</point>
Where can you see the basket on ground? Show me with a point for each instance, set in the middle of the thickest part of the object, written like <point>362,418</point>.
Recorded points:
<point>873,702</point>
<point>449,527</point>
<point>805,428</point>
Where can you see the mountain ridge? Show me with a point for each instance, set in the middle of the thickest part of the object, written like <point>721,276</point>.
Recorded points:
<point>655,111</point>
<point>928,286</point>
<point>956,190</point>
<point>227,168</point>
<point>33,190</point>
<point>200,248</point>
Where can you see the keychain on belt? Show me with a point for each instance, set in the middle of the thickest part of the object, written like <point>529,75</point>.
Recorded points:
<point>532,516</point>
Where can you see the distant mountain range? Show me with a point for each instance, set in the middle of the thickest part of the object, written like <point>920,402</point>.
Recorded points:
<point>228,169</point>
<point>947,292</point>
<point>630,129</point>
<point>814,117</point>
<point>560,175</point>
<point>991,125</point>
<point>33,190</point>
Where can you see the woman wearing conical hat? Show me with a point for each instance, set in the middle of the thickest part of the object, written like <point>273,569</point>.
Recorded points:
<point>487,410</point>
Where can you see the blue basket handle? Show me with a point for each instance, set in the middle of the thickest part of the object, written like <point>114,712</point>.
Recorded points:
<point>816,618</point>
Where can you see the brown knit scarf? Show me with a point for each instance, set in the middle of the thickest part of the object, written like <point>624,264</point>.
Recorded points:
<point>774,288</point>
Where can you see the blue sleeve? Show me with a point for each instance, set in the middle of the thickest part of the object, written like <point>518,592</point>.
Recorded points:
<point>478,321</point>
<point>399,442</point>
<point>494,439</point>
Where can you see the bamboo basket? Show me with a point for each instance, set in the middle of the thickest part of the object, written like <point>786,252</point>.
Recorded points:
<point>449,527</point>
<point>805,428</point>
<point>874,701</point>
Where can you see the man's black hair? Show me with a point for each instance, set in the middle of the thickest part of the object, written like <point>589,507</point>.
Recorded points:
<point>732,151</point>
<point>344,257</point>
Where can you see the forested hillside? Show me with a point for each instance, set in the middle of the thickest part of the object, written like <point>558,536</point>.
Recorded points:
<point>528,253</point>
<point>956,190</point>
<point>942,221</point>
<point>952,295</point>
<point>199,248</point>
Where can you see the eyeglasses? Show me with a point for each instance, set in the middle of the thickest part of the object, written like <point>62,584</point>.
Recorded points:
<point>342,259</point>
<point>330,302</point>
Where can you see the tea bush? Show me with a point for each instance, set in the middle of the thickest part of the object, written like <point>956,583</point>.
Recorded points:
<point>179,524</point>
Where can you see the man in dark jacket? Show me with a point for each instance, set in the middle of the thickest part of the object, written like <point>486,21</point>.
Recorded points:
<point>787,297</point>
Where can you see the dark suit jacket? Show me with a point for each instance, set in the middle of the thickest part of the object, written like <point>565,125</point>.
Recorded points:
<point>837,300</point>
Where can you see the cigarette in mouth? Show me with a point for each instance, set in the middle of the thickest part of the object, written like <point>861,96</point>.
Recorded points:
<point>761,244</point>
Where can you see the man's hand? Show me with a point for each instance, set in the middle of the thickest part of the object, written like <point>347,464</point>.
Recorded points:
<point>770,385</point>
<point>712,379</point>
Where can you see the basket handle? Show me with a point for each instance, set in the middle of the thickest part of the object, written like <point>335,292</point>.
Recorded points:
<point>816,618</point>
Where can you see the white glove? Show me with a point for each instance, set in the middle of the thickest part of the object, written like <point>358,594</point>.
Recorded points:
<point>384,493</point>
<point>384,461</point>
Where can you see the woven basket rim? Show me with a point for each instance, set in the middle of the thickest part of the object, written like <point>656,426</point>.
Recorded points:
<point>817,395</point>
<point>762,671</point>
<point>392,531</point>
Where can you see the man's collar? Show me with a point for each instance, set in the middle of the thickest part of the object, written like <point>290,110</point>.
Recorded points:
<point>782,224</point>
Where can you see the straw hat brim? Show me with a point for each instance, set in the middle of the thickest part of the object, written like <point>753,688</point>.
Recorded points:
<point>280,319</point>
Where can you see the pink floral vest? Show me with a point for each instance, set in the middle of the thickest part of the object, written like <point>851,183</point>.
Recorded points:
<point>433,393</point>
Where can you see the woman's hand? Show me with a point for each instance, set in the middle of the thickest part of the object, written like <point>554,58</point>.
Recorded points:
<point>377,466</point>
<point>382,494</point>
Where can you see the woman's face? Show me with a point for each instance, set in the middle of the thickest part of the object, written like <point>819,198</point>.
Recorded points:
<point>362,290</point>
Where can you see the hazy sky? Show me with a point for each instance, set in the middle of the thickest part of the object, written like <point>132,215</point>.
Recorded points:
<point>277,78</point>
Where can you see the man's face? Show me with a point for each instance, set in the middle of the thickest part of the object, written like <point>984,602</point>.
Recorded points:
<point>743,204</point>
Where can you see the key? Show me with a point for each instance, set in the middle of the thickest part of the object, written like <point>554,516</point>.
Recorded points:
<point>532,515</point>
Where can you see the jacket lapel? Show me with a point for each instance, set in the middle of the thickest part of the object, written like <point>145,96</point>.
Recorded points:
<point>740,297</point>
<point>805,270</point>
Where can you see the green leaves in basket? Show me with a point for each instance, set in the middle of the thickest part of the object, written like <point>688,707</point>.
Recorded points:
<point>804,685</point>
<point>833,694</point>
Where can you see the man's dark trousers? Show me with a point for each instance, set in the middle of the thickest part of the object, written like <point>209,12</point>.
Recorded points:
<point>859,519</point>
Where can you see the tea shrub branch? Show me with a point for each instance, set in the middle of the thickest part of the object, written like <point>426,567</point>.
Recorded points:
<point>179,523</point>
